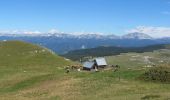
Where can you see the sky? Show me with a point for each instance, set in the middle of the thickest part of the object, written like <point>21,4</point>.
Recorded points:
<point>86,16</point>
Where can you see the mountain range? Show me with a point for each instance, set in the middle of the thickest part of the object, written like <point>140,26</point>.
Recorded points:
<point>81,36</point>
<point>62,43</point>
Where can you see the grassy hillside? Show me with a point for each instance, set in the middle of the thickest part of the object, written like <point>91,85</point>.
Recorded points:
<point>23,64</point>
<point>111,50</point>
<point>22,54</point>
<point>17,56</point>
<point>27,72</point>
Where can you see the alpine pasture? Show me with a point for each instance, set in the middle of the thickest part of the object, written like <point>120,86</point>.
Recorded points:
<point>30,72</point>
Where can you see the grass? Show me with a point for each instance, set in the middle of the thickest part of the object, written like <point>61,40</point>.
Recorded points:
<point>85,85</point>
<point>26,83</point>
<point>41,76</point>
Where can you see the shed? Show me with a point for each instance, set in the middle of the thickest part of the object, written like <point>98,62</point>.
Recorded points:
<point>96,63</point>
<point>100,62</point>
<point>88,65</point>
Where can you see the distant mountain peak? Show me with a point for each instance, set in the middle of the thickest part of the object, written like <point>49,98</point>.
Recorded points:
<point>82,36</point>
<point>136,35</point>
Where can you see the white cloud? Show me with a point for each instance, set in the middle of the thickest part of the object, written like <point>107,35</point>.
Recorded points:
<point>54,31</point>
<point>19,32</point>
<point>156,32</point>
<point>85,33</point>
<point>32,32</point>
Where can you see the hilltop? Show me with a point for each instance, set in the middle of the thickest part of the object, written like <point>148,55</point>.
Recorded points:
<point>18,53</point>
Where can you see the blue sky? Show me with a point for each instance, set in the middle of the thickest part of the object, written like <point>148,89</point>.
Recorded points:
<point>105,16</point>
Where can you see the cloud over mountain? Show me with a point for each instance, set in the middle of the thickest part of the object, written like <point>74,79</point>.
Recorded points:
<point>156,32</point>
<point>20,32</point>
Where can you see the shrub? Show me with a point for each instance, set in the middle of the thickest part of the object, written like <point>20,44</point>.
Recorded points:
<point>160,74</point>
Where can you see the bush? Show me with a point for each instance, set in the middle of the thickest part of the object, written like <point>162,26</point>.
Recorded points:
<point>160,74</point>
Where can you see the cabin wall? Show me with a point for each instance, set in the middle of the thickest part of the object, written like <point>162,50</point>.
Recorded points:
<point>88,69</point>
<point>103,66</point>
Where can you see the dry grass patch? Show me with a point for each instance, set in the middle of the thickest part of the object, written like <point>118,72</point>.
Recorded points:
<point>63,89</point>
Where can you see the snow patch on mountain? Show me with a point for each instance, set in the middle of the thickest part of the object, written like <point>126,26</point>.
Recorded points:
<point>136,36</point>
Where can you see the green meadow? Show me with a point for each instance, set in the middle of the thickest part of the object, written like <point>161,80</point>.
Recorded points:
<point>30,72</point>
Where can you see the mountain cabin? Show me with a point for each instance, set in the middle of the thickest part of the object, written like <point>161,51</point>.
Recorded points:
<point>95,64</point>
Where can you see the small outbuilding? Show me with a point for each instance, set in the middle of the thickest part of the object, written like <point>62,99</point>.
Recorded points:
<point>88,65</point>
<point>100,62</point>
<point>95,64</point>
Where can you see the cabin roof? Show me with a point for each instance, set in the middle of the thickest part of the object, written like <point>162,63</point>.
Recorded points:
<point>88,64</point>
<point>101,61</point>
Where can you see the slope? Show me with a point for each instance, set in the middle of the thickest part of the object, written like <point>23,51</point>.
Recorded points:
<point>23,64</point>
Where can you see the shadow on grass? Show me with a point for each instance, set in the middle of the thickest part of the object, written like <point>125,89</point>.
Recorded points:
<point>149,97</point>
